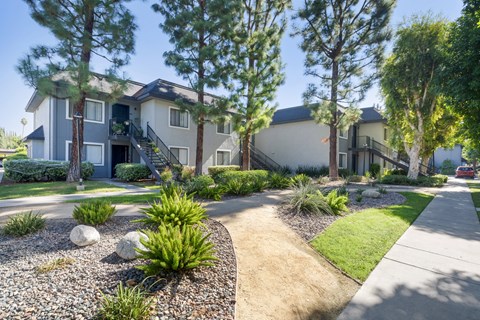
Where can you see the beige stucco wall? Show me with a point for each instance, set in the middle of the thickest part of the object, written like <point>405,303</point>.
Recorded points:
<point>376,131</point>
<point>295,144</point>
<point>156,113</point>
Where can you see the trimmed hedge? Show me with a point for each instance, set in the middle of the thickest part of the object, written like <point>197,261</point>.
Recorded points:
<point>394,172</point>
<point>131,171</point>
<point>435,181</point>
<point>214,171</point>
<point>29,170</point>
<point>242,176</point>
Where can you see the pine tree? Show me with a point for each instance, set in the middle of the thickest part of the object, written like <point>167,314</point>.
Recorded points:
<point>83,28</point>
<point>199,32</point>
<point>344,43</point>
<point>258,67</point>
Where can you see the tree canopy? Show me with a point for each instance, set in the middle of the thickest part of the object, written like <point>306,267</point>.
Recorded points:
<point>344,42</point>
<point>83,28</point>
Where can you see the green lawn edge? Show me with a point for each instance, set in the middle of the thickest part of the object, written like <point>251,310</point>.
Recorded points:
<point>356,243</point>
<point>475,192</point>
<point>39,189</point>
<point>143,198</point>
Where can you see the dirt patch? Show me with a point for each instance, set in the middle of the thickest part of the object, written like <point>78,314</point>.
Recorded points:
<point>279,275</point>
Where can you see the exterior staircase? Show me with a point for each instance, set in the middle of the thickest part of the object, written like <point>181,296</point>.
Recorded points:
<point>365,143</point>
<point>152,150</point>
<point>259,160</point>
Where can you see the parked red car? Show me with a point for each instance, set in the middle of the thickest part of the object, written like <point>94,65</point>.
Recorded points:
<point>464,172</point>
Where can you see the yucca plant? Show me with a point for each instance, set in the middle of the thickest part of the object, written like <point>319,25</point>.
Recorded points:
<point>338,203</point>
<point>23,223</point>
<point>176,248</point>
<point>94,212</point>
<point>174,209</point>
<point>308,199</point>
<point>127,304</point>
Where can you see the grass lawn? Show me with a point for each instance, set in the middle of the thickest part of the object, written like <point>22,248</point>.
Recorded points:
<point>144,198</point>
<point>358,242</point>
<point>37,189</point>
<point>475,191</point>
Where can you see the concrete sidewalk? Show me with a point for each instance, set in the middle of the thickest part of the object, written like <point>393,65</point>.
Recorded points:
<point>433,271</point>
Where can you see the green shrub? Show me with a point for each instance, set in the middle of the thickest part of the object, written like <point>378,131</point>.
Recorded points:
<point>357,178</point>
<point>214,171</point>
<point>42,170</point>
<point>23,223</point>
<point>359,198</point>
<point>198,183</point>
<point>171,189</point>
<point>17,156</point>
<point>323,180</point>
<point>187,173</point>
<point>94,212</point>
<point>337,202</point>
<point>166,175</point>
<point>213,193</point>
<point>175,210</point>
<point>342,190</point>
<point>259,185</point>
<point>308,199</point>
<point>131,171</point>
<point>279,181</point>
<point>343,173</point>
<point>242,176</point>
<point>447,167</point>
<point>238,187</point>
<point>374,170</point>
<point>444,178</point>
<point>394,172</point>
<point>397,179</point>
<point>313,171</point>
<point>301,179</point>
<point>175,248</point>
<point>127,304</point>
<point>382,190</point>
<point>434,181</point>
<point>284,170</point>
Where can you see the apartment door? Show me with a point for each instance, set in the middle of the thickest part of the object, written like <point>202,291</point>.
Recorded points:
<point>119,155</point>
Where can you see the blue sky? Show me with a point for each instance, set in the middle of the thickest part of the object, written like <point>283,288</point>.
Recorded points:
<point>18,32</point>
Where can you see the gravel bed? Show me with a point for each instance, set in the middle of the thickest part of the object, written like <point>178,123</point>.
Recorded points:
<point>74,292</point>
<point>308,226</point>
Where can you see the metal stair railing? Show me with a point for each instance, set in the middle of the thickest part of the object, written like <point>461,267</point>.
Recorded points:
<point>136,139</point>
<point>164,150</point>
<point>263,160</point>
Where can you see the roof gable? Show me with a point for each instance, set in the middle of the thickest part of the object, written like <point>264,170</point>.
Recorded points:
<point>37,134</point>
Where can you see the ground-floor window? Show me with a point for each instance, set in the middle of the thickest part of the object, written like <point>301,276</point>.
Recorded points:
<point>91,152</point>
<point>181,153</point>
<point>342,160</point>
<point>223,157</point>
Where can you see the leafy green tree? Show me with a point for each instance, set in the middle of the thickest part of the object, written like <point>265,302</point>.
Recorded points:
<point>344,43</point>
<point>471,152</point>
<point>463,69</point>
<point>411,84</point>
<point>9,140</point>
<point>83,28</point>
<point>258,67</point>
<point>199,32</point>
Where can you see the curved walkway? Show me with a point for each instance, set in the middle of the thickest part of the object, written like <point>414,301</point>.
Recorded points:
<point>433,271</point>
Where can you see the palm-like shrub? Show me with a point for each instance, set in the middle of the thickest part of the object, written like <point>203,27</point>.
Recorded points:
<point>308,199</point>
<point>279,181</point>
<point>94,212</point>
<point>238,187</point>
<point>198,183</point>
<point>126,304</point>
<point>301,179</point>
<point>175,209</point>
<point>175,248</point>
<point>23,223</point>
<point>213,193</point>
<point>171,189</point>
<point>336,202</point>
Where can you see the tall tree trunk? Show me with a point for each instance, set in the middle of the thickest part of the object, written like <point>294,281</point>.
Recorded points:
<point>201,97</point>
<point>333,167</point>
<point>74,170</point>
<point>246,152</point>
<point>414,155</point>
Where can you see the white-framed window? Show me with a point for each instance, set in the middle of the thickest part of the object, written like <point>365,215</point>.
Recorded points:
<point>178,119</point>
<point>94,110</point>
<point>342,160</point>
<point>224,128</point>
<point>91,152</point>
<point>181,153</point>
<point>343,133</point>
<point>223,157</point>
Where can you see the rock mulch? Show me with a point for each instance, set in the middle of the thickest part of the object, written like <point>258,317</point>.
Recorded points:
<point>74,292</point>
<point>308,226</point>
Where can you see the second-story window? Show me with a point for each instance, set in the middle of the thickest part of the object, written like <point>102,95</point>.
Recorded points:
<point>343,134</point>
<point>178,118</point>
<point>93,110</point>
<point>224,128</point>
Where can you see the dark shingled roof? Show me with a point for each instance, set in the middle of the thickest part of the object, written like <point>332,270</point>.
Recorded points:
<point>167,90</point>
<point>37,134</point>
<point>294,114</point>
<point>302,113</point>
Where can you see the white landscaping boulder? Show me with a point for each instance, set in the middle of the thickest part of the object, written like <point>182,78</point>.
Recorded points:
<point>371,194</point>
<point>126,246</point>
<point>83,235</point>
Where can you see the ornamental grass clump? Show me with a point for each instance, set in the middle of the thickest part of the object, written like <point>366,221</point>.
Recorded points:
<point>173,209</point>
<point>94,212</point>
<point>308,199</point>
<point>127,304</point>
<point>23,223</point>
<point>176,248</point>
